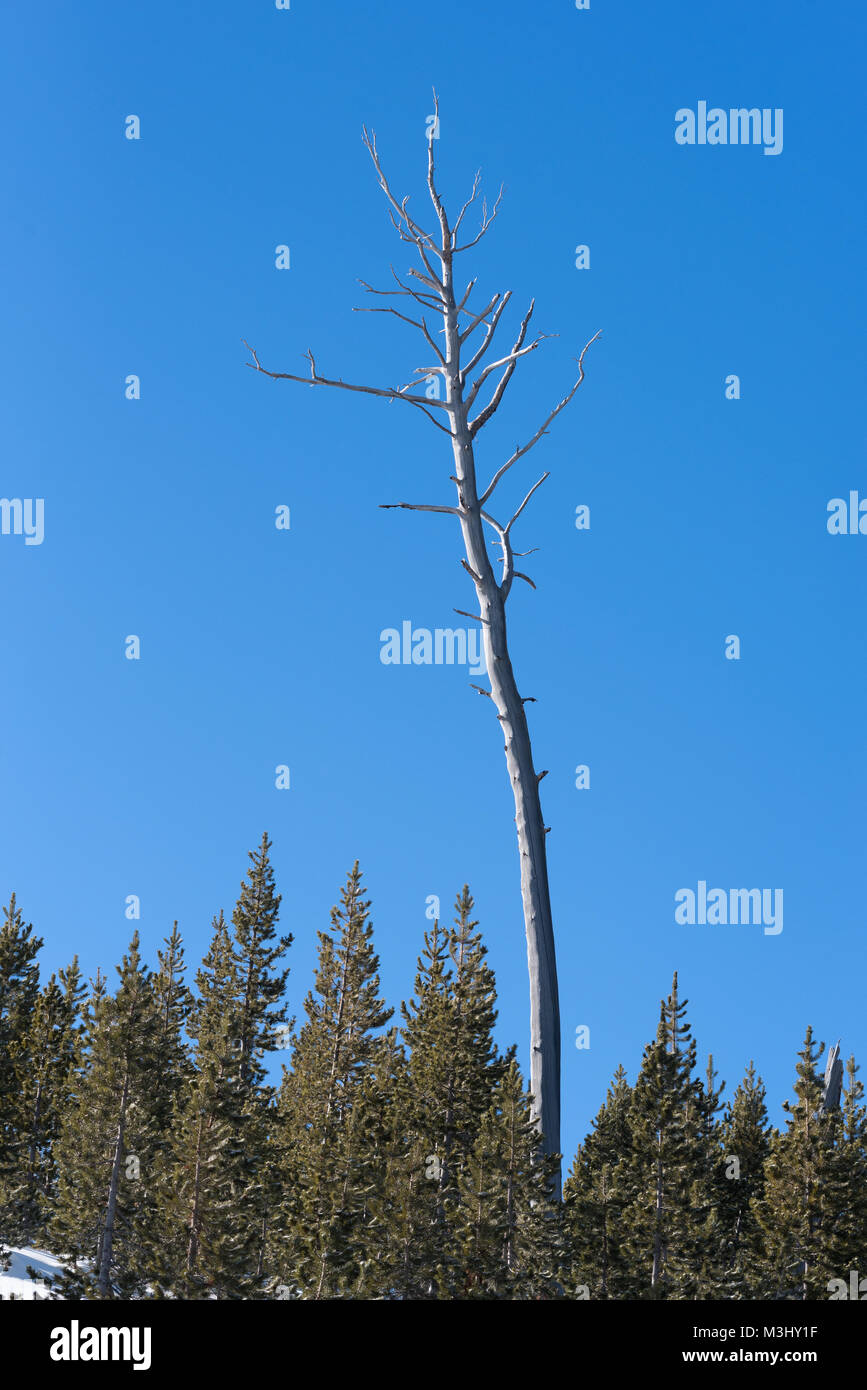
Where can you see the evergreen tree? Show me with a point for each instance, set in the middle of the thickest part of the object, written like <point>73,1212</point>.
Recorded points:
<point>206,1207</point>
<point>222,1194</point>
<point>47,1088</point>
<point>385,1102</point>
<point>108,1141</point>
<point>705,1217</point>
<point>453,1069</point>
<point>262,1019</point>
<point>854,1146</point>
<point>258,952</point>
<point>665,1239</point>
<point>331,1107</point>
<point>19,988</point>
<point>173,1004</point>
<point>811,1213</point>
<point>510,1226</point>
<point>594,1205</point>
<point>739,1187</point>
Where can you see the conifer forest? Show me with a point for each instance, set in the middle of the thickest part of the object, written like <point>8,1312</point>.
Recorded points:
<point>149,1139</point>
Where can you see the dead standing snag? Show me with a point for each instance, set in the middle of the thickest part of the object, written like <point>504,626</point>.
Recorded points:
<point>434,292</point>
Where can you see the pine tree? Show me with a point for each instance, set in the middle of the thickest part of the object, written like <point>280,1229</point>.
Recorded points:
<point>19,988</point>
<point>453,1069</point>
<point>326,1096</point>
<point>665,1239</point>
<point>262,1018</point>
<point>811,1214</point>
<point>594,1205</point>
<point>47,1088</point>
<point>109,1138</point>
<point>705,1217</point>
<point>172,1005</point>
<point>386,1103</point>
<point>258,952</point>
<point>739,1187</point>
<point>854,1146</point>
<point>211,1248</point>
<point>224,1125</point>
<point>509,1224</point>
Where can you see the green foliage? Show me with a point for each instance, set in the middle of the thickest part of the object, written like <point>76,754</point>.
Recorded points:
<point>594,1204</point>
<point>811,1214</point>
<point>331,1110</point>
<point>19,989</point>
<point>511,1230</point>
<point>109,1139</point>
<point>144,1139</point>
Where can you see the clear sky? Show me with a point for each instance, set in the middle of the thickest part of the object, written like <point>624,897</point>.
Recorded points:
<point>261,647</point>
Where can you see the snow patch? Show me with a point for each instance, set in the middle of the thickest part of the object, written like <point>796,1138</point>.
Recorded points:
<point>15,1282</point>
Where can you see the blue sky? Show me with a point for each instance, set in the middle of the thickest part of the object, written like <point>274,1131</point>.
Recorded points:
<point>261,647</point>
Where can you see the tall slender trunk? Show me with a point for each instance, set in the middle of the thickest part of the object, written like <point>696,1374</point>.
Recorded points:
<point>538,921</point>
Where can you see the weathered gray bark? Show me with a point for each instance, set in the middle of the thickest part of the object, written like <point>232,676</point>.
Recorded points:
<point>436,294</point>
<point>833,1082</point>
<point>538,922</point>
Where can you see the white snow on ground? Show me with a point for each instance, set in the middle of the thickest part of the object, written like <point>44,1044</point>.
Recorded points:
<point>15,1281</point>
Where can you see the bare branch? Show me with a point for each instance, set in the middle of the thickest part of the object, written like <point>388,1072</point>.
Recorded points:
<point>425,281</point>
<point>520,575</point>
<point>486,222</point>
<point>509,360</point>
<point>526,500</point>
<point>517,351</point>
<point>389,393</point>
<point>506,559</point>
<point>478,318</point>
<point>519,453</point>
<point>491,330</point>
<point>445,429</point>
<point>418,295</point>
<point>426,298</point>
<point>445,251</point>
<point>400,208</point>
<point>418,507</point>
<point>386,309</point>
<point>467,204</point>
<point>425,331</point>
<point>467,292</point>
<point>492,521</point>
<point>423,408</point>
<point>417,243</point>
<point>477,617</point>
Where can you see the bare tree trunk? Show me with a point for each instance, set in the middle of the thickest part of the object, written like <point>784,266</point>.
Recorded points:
<point>538,922</point>
<point>434,292</point>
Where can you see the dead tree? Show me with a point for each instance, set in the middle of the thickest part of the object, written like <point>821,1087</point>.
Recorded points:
<point>833,1083</point>
<point>461,415</point>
